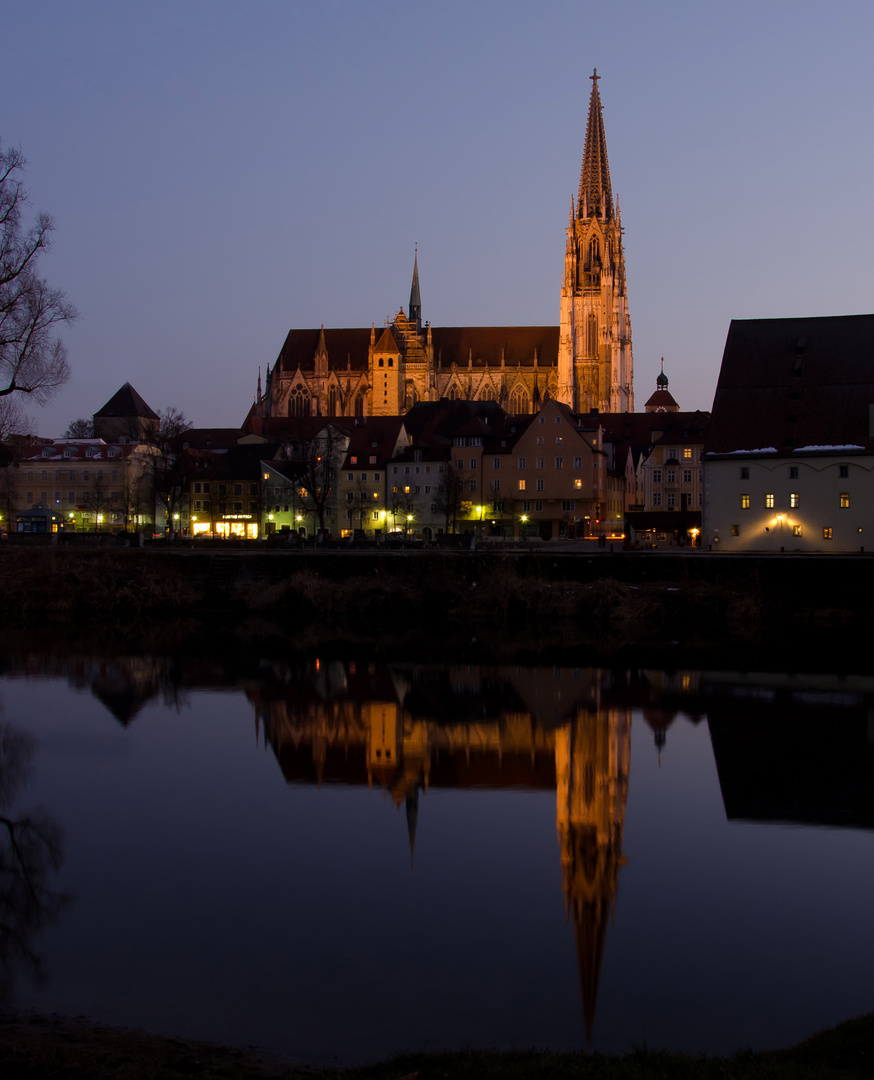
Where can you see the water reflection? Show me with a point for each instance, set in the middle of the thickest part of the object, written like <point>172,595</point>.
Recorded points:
<point>31,850</point>
<point>785,748</point>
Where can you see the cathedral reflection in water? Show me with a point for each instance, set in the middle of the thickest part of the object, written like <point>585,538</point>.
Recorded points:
<point>411,729</point>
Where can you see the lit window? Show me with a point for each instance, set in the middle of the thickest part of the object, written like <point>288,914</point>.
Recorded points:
<point>845,501</point>
<point>744,502</point>
<point>735,530</point>
<point>521,485</point>
<point>827,533</point>
<point>796,530</point>
<point>769,502</point>
<point>794,500</point>
<point>578,485</point>
<point>687,453</point>
<point>373,459</point>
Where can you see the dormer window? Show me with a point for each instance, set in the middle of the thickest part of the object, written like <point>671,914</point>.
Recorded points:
<point>46,453</point>
<point>89,452</point>
<point>69,452</point>
<point>374,444</point>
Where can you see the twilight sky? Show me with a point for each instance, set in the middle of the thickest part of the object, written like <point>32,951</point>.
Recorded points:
<point>222,170</point>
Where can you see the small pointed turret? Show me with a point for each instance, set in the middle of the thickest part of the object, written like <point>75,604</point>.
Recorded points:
<point>415,297</point>
<point>596,196</point>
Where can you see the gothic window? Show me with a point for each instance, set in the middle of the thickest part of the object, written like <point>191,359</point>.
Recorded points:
<point>487,393</point>
<point>519,400</point>
<point>332,401</point>
<point>359,405</point>
<point>298,401</point>
<point>594,253</point>
<point>591,335</point>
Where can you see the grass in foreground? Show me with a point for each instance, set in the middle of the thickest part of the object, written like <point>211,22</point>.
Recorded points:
<point>53,1048</point>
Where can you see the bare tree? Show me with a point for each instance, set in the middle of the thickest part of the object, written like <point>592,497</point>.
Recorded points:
<point>449,496</point>
<point>83,428</point>
<point>317,457</point>
<point>33,359</point>
<point>169,485</point>
<point>13,420</point>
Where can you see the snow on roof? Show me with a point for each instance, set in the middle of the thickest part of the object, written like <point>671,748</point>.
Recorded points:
<point>808,449</point>
<point>728,453</point>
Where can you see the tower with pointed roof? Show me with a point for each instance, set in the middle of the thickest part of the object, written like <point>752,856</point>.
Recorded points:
<point>595,366</point>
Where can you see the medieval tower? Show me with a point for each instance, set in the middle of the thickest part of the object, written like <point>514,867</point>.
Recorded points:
<point>595,367</point>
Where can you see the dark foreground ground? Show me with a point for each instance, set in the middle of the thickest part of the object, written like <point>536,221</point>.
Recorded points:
<point>49,1047</point>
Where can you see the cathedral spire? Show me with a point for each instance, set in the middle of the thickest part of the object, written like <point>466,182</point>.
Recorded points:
<point>415,298</point>
<point>596,195</point>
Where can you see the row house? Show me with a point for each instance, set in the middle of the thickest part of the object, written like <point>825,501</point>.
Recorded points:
<point>92,485</point>
<point>545,476</point>
<point>368,503</point>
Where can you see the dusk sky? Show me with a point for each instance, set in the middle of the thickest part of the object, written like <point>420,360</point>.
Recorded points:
<point>220,171</point>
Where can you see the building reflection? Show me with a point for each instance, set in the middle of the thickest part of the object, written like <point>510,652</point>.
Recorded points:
<point>410,729</point>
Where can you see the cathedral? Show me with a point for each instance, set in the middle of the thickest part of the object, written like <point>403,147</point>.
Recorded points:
<point>585,362</point>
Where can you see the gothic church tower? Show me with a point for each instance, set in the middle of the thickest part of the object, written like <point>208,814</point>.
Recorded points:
<point>595,366</point>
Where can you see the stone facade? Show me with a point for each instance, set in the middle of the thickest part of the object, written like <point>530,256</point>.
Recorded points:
<point>585,363</point>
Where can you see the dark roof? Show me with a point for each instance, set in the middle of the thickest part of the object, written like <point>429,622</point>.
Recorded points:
<point>382,430</point>
<point>210,438</point>
<point>435,423</point>
<point>789,384</point>
<point>127,402</point>
<point>484,345</point>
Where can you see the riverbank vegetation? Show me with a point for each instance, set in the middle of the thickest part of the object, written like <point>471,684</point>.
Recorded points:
<point>46,1048</point>
<point>496,604</point>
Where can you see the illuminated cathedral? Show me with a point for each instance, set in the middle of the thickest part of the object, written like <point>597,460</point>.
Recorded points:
<point>585,362</point>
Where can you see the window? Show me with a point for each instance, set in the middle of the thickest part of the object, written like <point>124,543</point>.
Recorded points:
<point>473,462</point>
<point>687,476</point>
<point>472,485</point>
<point>363,478</point>
<point>769,501</point>
<point>657,476</point>
<point>496,463</point>
<point>827,533</point>
<point>796,530</point>
<point>496,485</point>
<point>657,498</point>
<point>521,485</point>
<point>520,464</point>
<point>578,485</point>
<point>539,484</point>
<point>735,530</point>
<point>558,440</point>
<point>540,438</point>
<point>559,462</point>
<point>538,506</point>
<point>353,460</point>
<point>745,472</point>
<point>794,500</point>
<point>238,508</point>
<point>376,477</point>
<point>671,476</point>
<point>744,502</point>
<point>373,459</point>
<point>206,489</point>
<point>672,500</point>
<point>793,472</point>
<point>197,489</point>
<point>845,501</point>
<point>459,464</point>
<point>687,453</point>
<point>568,504</point>
<point>843,471</point>
<point>350,477</point>
<point>526,506</point>
<point>578,463</point>
<point>538,463</point>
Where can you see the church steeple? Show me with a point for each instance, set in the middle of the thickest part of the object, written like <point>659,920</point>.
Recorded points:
<point>595,365</point>
<point>415,298</point>
<point>596,195</point>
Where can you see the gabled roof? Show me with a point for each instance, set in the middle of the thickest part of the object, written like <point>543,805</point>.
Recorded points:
<point>385,431</point>
<point>126,402</point>
<point>791,384</point>
<point>386,342</point>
